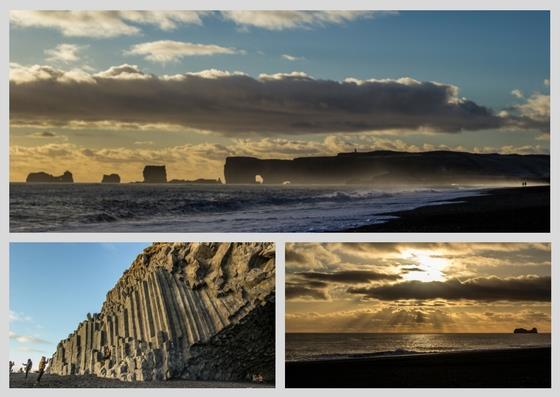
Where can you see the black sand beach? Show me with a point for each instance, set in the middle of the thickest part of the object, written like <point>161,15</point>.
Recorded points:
<point>494,368</point>
<point>505,210</point>
<point>18,380</point>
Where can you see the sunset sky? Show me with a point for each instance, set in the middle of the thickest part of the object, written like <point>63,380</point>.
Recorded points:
<point>109,91</point>
<point>407,287</point>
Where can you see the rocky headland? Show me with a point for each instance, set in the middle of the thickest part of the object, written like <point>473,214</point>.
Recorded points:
<point>385,167</point>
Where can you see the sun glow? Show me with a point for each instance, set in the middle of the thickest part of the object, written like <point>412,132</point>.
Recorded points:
<point>429,267</point>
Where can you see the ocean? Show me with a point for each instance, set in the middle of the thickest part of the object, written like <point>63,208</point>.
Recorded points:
<point>210,208</point>
<point>302,347</point>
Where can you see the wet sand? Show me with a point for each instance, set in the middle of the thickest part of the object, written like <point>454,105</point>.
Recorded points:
<point>494,368</point>
<point>18,380</point>
<point>522,209</point>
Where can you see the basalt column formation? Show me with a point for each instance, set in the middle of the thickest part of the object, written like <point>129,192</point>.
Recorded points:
<point>199,311</point>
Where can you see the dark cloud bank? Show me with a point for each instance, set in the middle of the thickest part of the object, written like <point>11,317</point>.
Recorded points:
<point>348,276</point>
<point>234,103</point>
<point>529,288</point>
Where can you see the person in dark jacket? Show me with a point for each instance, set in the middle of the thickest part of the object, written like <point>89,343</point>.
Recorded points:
<point>27,367</point>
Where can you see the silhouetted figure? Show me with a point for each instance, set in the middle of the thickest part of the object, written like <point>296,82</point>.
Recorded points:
<point>28,366</point>
<point>42,366</point>
<point>12,366</point>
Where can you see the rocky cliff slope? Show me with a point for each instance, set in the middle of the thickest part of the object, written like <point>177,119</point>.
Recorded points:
<point>201,311</point>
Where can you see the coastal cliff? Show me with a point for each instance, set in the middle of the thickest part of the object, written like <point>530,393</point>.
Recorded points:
<point>43,177</point>
<point>388,167</point>
<point>197,311</point>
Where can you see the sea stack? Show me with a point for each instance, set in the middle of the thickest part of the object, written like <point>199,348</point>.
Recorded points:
<point>43,177</point>
<point>196,311</point>
<point>155,174</point>
<point>112,178</point>
<point>525,331</point>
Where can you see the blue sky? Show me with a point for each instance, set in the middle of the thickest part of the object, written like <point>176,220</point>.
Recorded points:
<point>486,53</point>
<point>497,59</point>
<point>54,285</point>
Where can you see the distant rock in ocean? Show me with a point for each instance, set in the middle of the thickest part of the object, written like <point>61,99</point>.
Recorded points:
<point>112,178</point>
<point>155,174</point>
<point>525,331</point>
<point>194,311</point>
<point>43,177</point>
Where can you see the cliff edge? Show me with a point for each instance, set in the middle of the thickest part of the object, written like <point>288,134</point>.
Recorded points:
<point>389,167</point>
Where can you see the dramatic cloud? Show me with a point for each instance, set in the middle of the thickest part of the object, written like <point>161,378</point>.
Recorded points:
<point>163,51</point>
<point>280,20</point>
<point>525,288</point>
<point>536,108</point>
<point>348,276</point>
<point>435,287</point>
<point>297,291</point>
<point>66,53</point>
<point>103,24</point>
<point>234,103</point>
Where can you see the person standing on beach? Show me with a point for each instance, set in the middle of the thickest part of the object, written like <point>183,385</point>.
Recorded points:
<point>28,366</point>
<point>42,366</point>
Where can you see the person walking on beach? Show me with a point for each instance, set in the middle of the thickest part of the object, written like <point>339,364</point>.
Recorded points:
<point>42,366</point>
<point>28,366</point>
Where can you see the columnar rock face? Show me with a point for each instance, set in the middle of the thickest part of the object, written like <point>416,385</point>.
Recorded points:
<point>112,178</point>
<point>155,174</point>
<point>389,167</point>
<point>200,311</point>
<point>43,177</point>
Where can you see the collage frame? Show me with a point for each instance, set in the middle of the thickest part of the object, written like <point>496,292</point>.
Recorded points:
<point>281,239</point>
